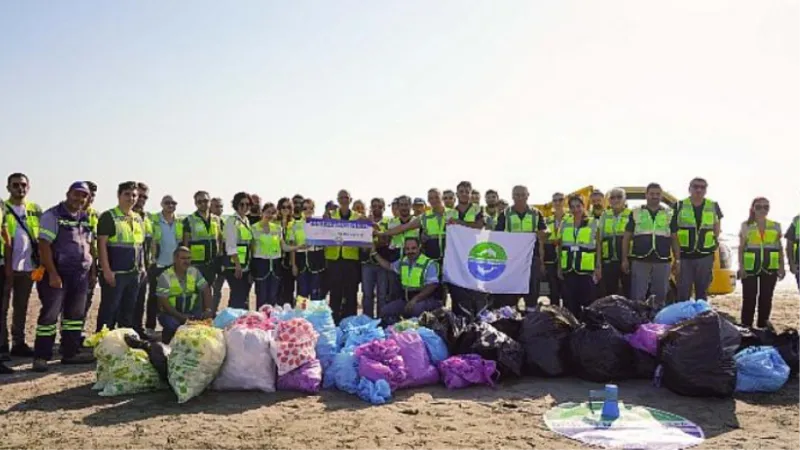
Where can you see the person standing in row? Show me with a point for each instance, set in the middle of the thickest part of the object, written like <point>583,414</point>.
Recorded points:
<point>650,239</point>
<point>21,258</point>
<point>238,240</point>
<point>403,220</point>
<point>475,198</point>
<point>697,221</point>
<point>120,247</point>
<point>374,278</point>
<point>94,217</point>
<point>182,294</point>
<point>288,275</point>
<point>597,202</point>
<point>344,268</point>
<point>254,213</point>
<point>4,369</point>
<point>217,208</point>
<point>65,247</point>
<point>142,296</point>
<point>793,248</point>
<point>202,231</point>
<point>168,234</point>
<point>491,211</point>
<point>449,198</point>
<point>466,302</point>
<point>359,207</point>
<point>268,249</point>
<point>761,263</point>
<point>308,263</point>
<point>419,207</point>
<point>551,251</point>
<point>612,232</point>
<point>520,218</point>
<point>579,267</point>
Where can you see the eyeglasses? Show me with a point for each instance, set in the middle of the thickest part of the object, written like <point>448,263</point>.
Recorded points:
<point>244,204</point>
<point>170,203</point>
<point>19,185</point>
<point>203,201</point>
<point>761,207</point>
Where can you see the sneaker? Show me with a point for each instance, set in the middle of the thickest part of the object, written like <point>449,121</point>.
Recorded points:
<point>21,350</point>
<point>40,365</point>
<point>5,370</point>
<point>79,358</point>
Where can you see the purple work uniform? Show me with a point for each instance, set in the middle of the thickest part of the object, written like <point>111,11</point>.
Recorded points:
<point>70,238</point>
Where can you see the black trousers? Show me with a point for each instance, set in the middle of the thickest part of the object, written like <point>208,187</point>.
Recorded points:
<point>615,281</point>
<point>555,283</point>
<point>579,292</point>
<point>757,289</point>
<point>147,297</point>
<point>343,278</point>
<point>21,287</point>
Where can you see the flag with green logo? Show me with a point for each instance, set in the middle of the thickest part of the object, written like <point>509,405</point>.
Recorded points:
<point>489,261</point>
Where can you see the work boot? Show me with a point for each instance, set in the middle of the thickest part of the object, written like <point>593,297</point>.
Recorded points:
<point>4,354</point>
<point>22,350</point>
<point>79,358</point>
<point>40,365</point>
<point>5,370</point>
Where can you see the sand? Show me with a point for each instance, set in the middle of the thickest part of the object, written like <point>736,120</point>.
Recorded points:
<point>58,410</point>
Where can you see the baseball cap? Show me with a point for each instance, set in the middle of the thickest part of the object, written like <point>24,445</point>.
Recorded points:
<point>419,201</point>
<point>330,204</point>
<point>80,186</point>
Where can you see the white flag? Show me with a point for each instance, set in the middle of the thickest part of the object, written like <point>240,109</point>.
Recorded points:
<point>489,261</point>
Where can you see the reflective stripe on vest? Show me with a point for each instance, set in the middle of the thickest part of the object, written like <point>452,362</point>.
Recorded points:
<point>412,277</point>
<point>612,230</point>
<point>182,300</point>
<point>126,246</point>
<point>399,240</point>
<point>553,226</point>
<point>762,255</point>
<point>32,215</point>
<point>267,243</point>
<point>296,234</point>
<point>796,243</point>
<point>651,236</point>
<point>694,239</point>
<point>203,239</point>
<point>244,237</point>
<point>578,246</point>
<point>471,215</point>
<point>177,225</point>
<point>334,253</point>
<point>528,224</point>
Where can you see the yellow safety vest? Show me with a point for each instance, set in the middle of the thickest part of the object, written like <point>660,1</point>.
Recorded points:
<point>244,236</point>
<point>651,236</point>
<point>578,245</point>
<point>412,276</point>
<point>203,240</point>
<point>762,254</point>
<point>612,230</point>
<point>399,240</point>
<point>267,243</point>
<point>796,243</point>
<point>529,223</point>
<point>333,253</point>
<point>183,300</point>
<point>32,214</point>
<point>125,248</point>
<point>693,238</point>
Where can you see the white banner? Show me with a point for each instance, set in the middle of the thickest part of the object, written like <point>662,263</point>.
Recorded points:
<point>332,232</point>
<point>489,261</point>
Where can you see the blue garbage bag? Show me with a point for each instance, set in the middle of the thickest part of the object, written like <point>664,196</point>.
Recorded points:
<point>678,312</point>
<point>760,369</point>
<point>321,318</point>
<point>227,316</point>
<point>437,348</point>
<point>357,330</point>
<point>344,372</point>
<point>377,392</point>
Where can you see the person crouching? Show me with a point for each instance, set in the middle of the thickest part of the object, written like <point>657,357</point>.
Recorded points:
<point>178,291</point>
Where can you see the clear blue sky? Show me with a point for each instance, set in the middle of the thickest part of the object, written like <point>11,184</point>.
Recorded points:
<point>385,97</point>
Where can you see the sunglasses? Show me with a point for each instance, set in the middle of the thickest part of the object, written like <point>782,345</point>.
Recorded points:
<point>761,207</point>
<point>18,185</point>
<point>171,203</point>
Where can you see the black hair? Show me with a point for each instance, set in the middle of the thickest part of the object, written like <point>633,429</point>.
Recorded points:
<point>379,200</point>
<point>698,179</point>
<point>575,198</point>
<point>17,175</point>
<point>92,186</point>
<point>140,185</point>
<point>199,193</point>
<point>652,186</point>
<point>403,198</point>
<point>492,191</point>
<point>465,184</point>
<point>126,186</point>
<point>412,238</point>
<point>298,197</point>
<point>267,206</point>
<point>238,199</point>
<point>283,200</point>
<point>447,191</point>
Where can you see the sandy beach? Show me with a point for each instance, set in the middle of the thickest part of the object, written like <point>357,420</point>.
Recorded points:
<point>59,410</point>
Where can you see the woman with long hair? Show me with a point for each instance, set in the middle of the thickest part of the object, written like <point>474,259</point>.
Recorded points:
<point>760,262</point>
<point>308,263</point>
<point>238,239</point>
<point>268,249</point>
<point>286,218</point>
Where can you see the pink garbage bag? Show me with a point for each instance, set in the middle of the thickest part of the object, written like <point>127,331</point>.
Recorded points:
<point>255,320</point>
<point>295,340</point>
<point>415,355</point>
<point>381,360</point>
<point>461,371</point>
<point>646,337</point>
<point>306,378</point>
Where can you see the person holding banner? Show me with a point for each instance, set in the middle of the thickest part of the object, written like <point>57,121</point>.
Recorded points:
<point>419,277</point>
<point>466,302</point>
<point>308,263</point>
<point>580,268</point>
<point>238,238</point>
<point>344,267</point>
<point>268,246</point>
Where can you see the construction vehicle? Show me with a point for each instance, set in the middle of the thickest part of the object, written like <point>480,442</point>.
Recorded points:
<point>724,278</point>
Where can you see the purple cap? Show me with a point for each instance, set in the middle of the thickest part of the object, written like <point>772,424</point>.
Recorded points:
<point>330,204</point>
<point>80,186</point>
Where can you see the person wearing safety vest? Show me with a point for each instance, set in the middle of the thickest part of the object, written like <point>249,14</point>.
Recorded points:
<point>597,202</point>
<point>268,247</point>
<point>551,252</point>
<point>202,235</point>
<point>405,221</point>
<point>467,212</point>
<point>167,235</point>
<point>183,294</point>
<point>491,211</point>
<point>94,216</point>
<point>521,218</point>
<point>21,258</point>
<point>418,207</point>
<point>579,266</point>
<point>308,262</point>
<point>120,247</point>
<point>449,198</point>
<point>475,198</point>
<point>295,221</point>
<point>344,267</point>
<point>238,250</point>
<point>793,247</point>
<point>142,295</point>
<point>648,241</point>
<point>217,207</point>
<point>697,220</point>
<point>611,229</point>
<point>65,248</point>
<point>419,277</point>
<point>761,263</point>
<point>4,369</point>
<point>374,278</point>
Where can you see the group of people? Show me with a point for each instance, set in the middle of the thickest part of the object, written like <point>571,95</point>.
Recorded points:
<point>156,267</point>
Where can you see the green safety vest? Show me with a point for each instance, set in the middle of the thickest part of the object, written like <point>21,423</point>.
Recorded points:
<point>399,240</point>
<point>333,253</point>
<point>796,243</point>
<point>578,246</point>
<point>762,254</point>
<point>183,300</point>
<point>434,225</point>
<point>412,276</point>
<point>126,246</point>
<point>612,230</point>
<point>550,253</point>
<point>155,221</point>
<point>267,244</point>
<point>296,233</point>
<point>244,237</point>
<point>651,236</point>
<point>203,240</point>
<point>32,214</point>
<point>694,239</point>
<point>471,215</point>
<point>529,223</point>
<point>94,218</point>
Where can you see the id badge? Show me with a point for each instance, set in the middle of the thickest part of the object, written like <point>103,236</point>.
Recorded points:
<point>574,248</point>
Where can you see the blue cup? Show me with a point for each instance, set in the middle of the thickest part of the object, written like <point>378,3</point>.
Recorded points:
<point>610,398</point>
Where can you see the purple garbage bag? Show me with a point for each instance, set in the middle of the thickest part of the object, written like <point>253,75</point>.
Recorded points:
<point>381,360</point>
<point>645,337</point>
<point>415,356</point>
<point>306,378</point>
<point>461,371</point>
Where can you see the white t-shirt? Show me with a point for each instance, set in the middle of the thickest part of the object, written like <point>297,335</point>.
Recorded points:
<point>22,249</point>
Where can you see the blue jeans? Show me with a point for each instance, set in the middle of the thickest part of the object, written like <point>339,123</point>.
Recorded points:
<point>309,285</point>
<point>170,325</point>
<point>267,290</point>
<point>118,303</point>
<point>373,278</point>
<point>239,289</point>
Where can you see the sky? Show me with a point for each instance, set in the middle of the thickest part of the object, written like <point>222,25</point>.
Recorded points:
<point>389,98</point>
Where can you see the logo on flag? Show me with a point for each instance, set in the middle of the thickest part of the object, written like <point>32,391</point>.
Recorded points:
<point>487,261</point>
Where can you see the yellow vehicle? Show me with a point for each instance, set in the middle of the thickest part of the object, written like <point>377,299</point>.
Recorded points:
<point>724,278</point>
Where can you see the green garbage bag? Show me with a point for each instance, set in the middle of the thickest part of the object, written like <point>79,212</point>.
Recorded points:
<point>198,352</point>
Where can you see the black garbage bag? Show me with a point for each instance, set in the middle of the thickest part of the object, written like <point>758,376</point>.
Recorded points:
<point>157,353</point>
<point>507,320</point>
<point>485,340</point>
<point>752,337</point>
<point>446,324</point>
<point>697,356</point>
<point>787,345</point>
<point>599,352</point>
<point>644,365</point>
<point>623,314</point>
<point>545,337</point>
